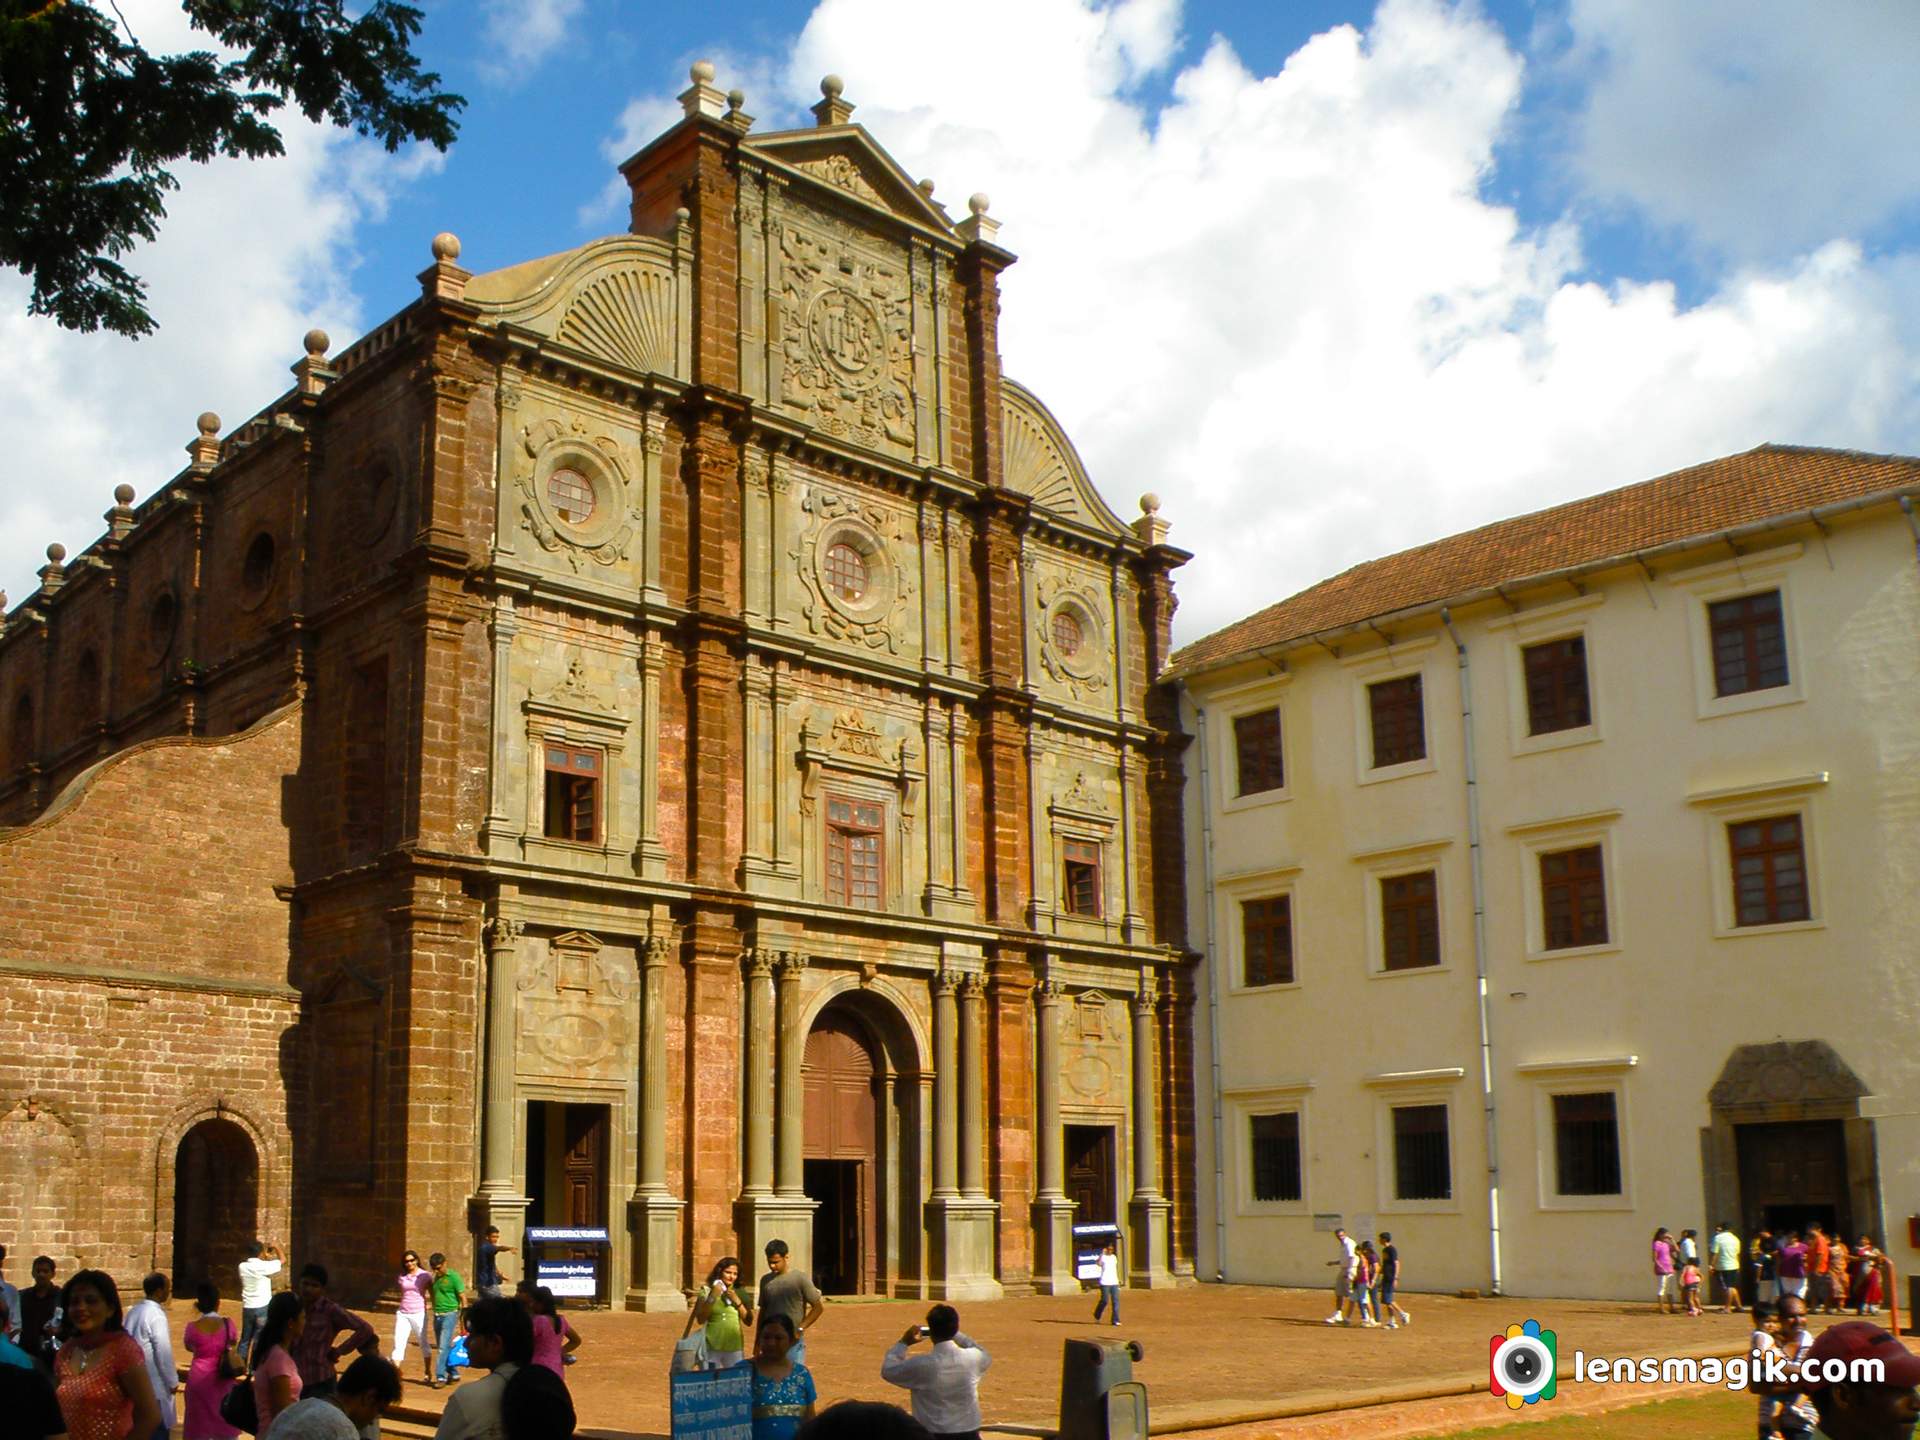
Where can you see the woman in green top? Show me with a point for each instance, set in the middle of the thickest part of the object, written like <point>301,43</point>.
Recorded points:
<point>728,1318</point>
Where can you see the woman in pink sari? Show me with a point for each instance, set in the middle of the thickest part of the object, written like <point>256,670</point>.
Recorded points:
<point>208,1337</point>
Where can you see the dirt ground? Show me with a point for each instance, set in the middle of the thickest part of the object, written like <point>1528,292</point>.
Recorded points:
<point>1216,1357</point>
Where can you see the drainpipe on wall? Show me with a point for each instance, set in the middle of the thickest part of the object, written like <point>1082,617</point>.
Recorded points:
<point>1213,1002</point>
<point>1478,868</point>
<point>1906,509</point>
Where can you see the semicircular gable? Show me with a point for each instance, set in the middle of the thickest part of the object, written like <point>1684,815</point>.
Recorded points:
<point>1037,459</point>
<point>613,299</point>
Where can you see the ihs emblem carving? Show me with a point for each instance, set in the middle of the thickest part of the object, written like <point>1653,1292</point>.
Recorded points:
<point>845,334</point>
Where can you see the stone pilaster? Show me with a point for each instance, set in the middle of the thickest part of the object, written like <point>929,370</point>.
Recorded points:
<point>960,1216</point>
<point>1149,1210</point>
<point>650,856</point>
<point>498,1202</point>
<point>945,1068</point>
<point>786,1213</point>
<point>653,1214</point>
<point>1052,1211</point>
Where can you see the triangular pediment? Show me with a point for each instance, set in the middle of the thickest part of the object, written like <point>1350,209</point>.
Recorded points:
<point>847,159</point>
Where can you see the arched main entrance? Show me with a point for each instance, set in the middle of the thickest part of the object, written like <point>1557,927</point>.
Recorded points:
<point>844,1112</point>
<point>216,1197</point>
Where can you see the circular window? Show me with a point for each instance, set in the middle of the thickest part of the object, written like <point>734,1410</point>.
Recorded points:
<point>571,495</point>
<point>1067,634</point>
<point>162,615</point>
<point>846,571</point>
<point>256,571</point>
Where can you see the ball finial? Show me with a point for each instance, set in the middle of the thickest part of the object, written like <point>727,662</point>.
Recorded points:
<point>925,187</point>
<point>736,100</point>
<point>446,246</point>
<point>832,86</point>
<point>702,72</point>
<point>56,552</point>
<point>123,494</point>
<point>978,202</point>
<point>209,423</point>
<point>316,342</point>
<point>1149,504</point>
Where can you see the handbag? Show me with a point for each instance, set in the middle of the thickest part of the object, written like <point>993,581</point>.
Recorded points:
<point>229,1367</point>
<point>690,1350</point>
<point>240,1409</point>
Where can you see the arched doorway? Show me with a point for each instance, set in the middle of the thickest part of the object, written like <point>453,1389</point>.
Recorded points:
<point>216,1196</point>
<point>842,1156</point>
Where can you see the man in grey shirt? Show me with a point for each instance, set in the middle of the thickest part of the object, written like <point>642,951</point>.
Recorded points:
<point>789,1292</point>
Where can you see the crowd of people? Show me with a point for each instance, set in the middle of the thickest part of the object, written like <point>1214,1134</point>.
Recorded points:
<point>1364,1282</point>
<point>1810,1265</point>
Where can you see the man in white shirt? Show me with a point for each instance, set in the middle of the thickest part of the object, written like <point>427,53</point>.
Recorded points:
<point>500,1340</point>
<point>945,1384</point>
<point>256,1289</point>
<point>353,1410</point>
<point>1343,1281</point>
<point>146,1323</point>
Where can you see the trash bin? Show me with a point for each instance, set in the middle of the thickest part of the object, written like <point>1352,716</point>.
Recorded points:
<point>1099,1398</point>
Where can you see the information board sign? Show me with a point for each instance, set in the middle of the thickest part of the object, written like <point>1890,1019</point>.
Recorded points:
<point>713,1404</point>
<point>569,1279</point>
<point>1088,1242</point>
<point>566,1235</point>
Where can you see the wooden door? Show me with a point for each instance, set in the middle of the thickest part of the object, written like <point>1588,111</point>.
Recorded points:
<point>583,1167</point>
<point>1794,1172</point>
<point>842,1124</point>
<point>1090,1174</point>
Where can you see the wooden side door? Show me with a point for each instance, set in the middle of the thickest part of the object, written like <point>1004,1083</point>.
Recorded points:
<point>1090,1174</point>
<point>842,1125</point>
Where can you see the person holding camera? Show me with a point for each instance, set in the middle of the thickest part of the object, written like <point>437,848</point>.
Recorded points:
<point>945,1383</point>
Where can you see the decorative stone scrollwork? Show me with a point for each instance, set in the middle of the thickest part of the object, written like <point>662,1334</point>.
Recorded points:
<point>503,933</point>
<point>846,334</point>
<point>1071,634</point>
<point>1149,992</point>
<point>840,171</point>
<point>946,982</point>
<point>846,558</point>
<point>575,498</point>
<point>1049,992</point>
<point>575,690</point>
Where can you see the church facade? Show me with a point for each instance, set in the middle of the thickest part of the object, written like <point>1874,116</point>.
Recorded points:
<point>661,739</point>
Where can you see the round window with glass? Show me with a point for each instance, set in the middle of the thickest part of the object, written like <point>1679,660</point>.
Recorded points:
<point>571,495</point>
<point>846,571</point>
<point>1068,635</point>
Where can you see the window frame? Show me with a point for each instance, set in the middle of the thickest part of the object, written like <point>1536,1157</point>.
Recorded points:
<point>1393,863</point>
<point>1747,628</point>
<point>1270,692</point>
<point>1229,952</point>
<point>1574,884</point>
<point>1413,908</point>
<point>1797,796</point>
<point>1404,658</point>
<point>1241,1106</point>
<point>598,777</point>
<point>1401,1091</point>
<point>1539,838</point>
<point>1766,850</point>
<point>847,830</point>
<point>1530,648</point>
<point>1580,1077</point>
<point>1560,1156</point>
<point>1247,982</point>
<point>1275,759</point>
<point>1252,1117</point>
<point>1093,859</point>
<point>1735,579</point>
<point>1418,681</point>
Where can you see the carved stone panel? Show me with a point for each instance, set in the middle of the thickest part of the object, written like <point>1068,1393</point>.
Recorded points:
<point>855,565</point>
<point>846,331</point>
<point>575,492</point>
<point>578,1011</point>
<point>1072,636</point>
<point>1093,1051</point>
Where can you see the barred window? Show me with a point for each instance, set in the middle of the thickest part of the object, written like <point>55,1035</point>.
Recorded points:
<point>1422,1166</point>
<point>1586,1144</point>
<point>1276,1156</point>
<point>846,571</point>
<point>571,495</point>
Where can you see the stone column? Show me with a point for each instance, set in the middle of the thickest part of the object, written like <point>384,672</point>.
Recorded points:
<point>653,1214</point>
<point>1052,1210</point>
<point>790,1052</point>
<point>497,1200</point>
<point>650,856</point>
<point>759,1099</point>
<point>1147,1264</point>
<point>945,1064</point>
<point>972,1081</point>
<point>763,1210</point>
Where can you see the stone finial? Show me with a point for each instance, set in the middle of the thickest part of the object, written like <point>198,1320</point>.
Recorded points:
<point>925,187</point>
<point>120,518</point>
<point>315,342</point>
<point>832,110</point>
<point>1151,529</point>
<point>700,98</point>
<point>204,448</point>
<point>444,280</point>
<point>312,373</point>
<point>977,225</point>
<point>53,574</point>
<point>736,115</point>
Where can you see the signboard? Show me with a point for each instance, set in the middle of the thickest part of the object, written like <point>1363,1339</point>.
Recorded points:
<point>569,1279</point>
<point>713,1404</point>
<point>1088,1241</point>
<point>565,1235</point>
<point>1328,1223</point>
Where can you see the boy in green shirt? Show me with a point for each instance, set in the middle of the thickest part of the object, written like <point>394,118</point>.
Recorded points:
<point>448,1287</point>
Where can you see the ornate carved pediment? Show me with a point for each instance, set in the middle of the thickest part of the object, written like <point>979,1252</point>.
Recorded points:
<point>1787,1072</point>
<point>626,318</point>
<point>613,299</point>
<point>852,735</point>
<point>850,162</point>
<point>575,691</point>
<point>1039,460</point>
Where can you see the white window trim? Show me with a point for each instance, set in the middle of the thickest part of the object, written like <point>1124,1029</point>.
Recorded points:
<point>1730,580</point>
<point>1394,663</point>
<point>1270,694</point>
<point>1545,837</point>
<point>1378,865</point>
<point>1232,891</point>
<point>1579,1077</point>
<point>1288,1097</point>
<point>1414,1087</point>
<point>1730,806</point>
<point>1539,626</point>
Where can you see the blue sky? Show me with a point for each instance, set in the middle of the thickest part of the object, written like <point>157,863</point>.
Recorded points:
<point>1332,278</point>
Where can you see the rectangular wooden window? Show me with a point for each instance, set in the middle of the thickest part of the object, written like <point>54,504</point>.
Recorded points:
<point>1410,921</point>
<point>1266,932</point>
<point>1422,1166</point>
<point>1399,721</point>
<point>1256,743</point>
<point>573,794</point>
<point>1586,1144</point>
<point>855,854</point>
<point>1080,859</point>
<point>1769,871</point>
<point>1276,1156</point>
<point>1749,643</point>
<point>1557,685</point>
<point>1573,898</point>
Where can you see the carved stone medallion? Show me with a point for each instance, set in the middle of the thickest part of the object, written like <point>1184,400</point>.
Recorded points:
<point>846,334</point>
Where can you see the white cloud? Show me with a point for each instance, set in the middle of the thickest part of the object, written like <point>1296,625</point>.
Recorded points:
<point>1755,126</point>
<point>1281,302</point>
<point>250,257</point>
<point>519,34</point>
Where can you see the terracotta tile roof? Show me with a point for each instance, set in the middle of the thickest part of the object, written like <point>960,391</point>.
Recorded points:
<point>1761,484</point>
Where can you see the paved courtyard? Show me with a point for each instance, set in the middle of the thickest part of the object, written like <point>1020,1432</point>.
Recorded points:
<point>1216,1356</point>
